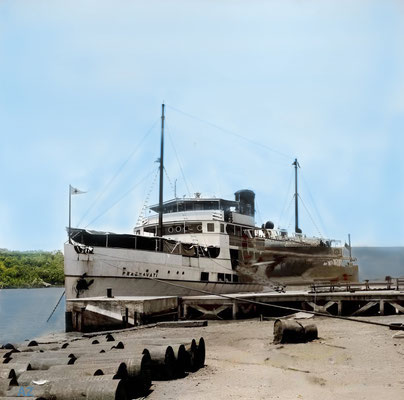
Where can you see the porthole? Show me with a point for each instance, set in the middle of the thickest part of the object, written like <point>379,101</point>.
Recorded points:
<point>170,229</point>
<point>178,272</point>
<point>168,272</point>
<point>182,272</point>
<point>178,229</point>
<point>199,228</point>
<point>147,270</point>
<point>157,271</point>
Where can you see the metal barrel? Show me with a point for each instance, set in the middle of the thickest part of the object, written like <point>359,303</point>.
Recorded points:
<point>155,341</point>
<point>20,397</point>
<point>41,347</point>
<point>310,332</point>
<point>163,362</point>
<point>4,386</point>
<point>44,363</point>
<point>28,377</point>
<point>95,348</point>
<point>9,346</point>
<point>4,353</point>
<point>6,372</point>
<point>30,355</point>
<point>136,368</point>
<point>111,356</point>
<point>90,388</point>
<point>201,353</point>
<point>135,371</point>
<point>76,351</point>
<point>168,362</point>
<point>192,363</point>
<point>181,357</point>
<point>186,353</point>
<point>17,368</point>
<point>288,331</point>
<point>15,358</point>
<point>109,338</point>
<point>140,371</point>
<point>118,370</point>
<point>8,354</point>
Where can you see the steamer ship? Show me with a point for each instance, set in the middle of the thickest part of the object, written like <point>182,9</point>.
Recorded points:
<point>199,244</point>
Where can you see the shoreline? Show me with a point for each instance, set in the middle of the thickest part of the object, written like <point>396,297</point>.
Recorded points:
<point>33,287</point>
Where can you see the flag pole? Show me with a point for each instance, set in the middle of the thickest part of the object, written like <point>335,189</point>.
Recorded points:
<point>70,212</point>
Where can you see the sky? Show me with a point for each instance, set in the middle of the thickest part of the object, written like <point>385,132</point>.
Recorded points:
<point>248,85</point>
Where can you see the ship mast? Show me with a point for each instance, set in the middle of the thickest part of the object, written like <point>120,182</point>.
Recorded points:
<point>160,226</point>
<point>297,229</point>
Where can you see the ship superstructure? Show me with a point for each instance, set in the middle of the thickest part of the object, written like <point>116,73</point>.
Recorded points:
<point>199,244</point>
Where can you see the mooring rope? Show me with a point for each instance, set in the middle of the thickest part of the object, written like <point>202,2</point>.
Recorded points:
<point>273,305</point>
<point>50,316</point>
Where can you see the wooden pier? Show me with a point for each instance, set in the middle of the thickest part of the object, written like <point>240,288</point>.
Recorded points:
<point>334,303</point>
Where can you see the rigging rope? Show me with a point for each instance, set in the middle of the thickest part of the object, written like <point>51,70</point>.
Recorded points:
<point>286,198</point>
<point>144,207</point>
<point>120,199</point>
<point>260,144</point>
<point>178,159</point>
<point>138,146</point>
<point>54,309</point>
<point>169,181</point>
<point>314,204</point>
<point>287,211</point>
<point>259,212</point>
<point>312,220</point>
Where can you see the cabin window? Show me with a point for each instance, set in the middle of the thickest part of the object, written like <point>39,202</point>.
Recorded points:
<point>235,278</point>
<point>211,227</point>
<point>220,277</point>
<point>221,228</point>
<point>228,277</point>
<point>205,276</point>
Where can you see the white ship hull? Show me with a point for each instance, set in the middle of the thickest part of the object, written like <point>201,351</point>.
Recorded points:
<point>132,272</point>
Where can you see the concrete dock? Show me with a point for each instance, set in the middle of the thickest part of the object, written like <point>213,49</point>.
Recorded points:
<point>100,313</point>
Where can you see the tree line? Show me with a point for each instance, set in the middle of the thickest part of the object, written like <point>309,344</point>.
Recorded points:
<point>28,269</point>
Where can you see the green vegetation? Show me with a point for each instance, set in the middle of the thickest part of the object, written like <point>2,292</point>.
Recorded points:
<point>27,269</point>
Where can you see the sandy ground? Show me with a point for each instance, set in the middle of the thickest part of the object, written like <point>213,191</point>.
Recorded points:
<point>349,361</point>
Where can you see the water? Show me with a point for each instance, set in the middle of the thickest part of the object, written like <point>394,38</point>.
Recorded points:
<point>376,263</point>
<point>23,313</point>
